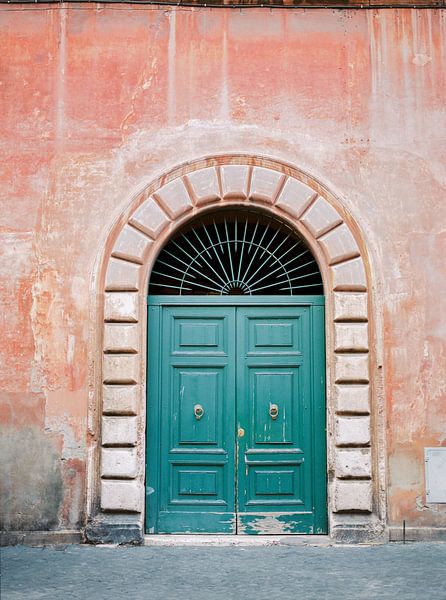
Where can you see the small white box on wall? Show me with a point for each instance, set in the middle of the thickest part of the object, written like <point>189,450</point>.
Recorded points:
<point>435,475</point>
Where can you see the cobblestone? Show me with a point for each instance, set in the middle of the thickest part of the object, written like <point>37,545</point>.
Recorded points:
<point>288,572</point>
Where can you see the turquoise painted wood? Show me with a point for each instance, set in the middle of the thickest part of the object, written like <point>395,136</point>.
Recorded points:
<point>236,416</point>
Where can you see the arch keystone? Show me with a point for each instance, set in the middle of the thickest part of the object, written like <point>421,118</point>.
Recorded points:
<point>234,181</point>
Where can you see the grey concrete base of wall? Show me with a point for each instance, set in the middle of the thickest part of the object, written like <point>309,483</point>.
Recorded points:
<point>127,531</point>
<point>367,533</point>
<point>40,538</point>
<point>115,529</point>
<point>418,534</point>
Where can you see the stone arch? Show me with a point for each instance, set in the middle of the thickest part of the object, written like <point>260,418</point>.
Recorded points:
<point>356,508</point>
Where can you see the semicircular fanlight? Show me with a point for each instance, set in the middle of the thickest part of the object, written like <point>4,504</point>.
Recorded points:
<point>237,253</point>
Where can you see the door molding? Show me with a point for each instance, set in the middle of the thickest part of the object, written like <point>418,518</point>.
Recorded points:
<point>355,408</point>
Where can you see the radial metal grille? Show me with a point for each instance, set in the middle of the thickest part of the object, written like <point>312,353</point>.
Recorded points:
<point>240,253</point>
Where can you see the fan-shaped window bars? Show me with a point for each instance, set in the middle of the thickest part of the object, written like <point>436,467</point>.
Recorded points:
<point>236,253</point>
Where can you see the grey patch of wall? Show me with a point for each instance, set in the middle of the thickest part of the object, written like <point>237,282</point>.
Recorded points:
<point>31,490</point>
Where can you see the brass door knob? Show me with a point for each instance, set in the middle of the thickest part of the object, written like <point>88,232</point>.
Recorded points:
<point>198,411</point>
<point>273,411</point>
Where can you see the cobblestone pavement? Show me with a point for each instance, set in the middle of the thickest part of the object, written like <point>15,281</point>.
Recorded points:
<point>401,572</point>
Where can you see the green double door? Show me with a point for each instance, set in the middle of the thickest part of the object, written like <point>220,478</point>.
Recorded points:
<point>236,416</point>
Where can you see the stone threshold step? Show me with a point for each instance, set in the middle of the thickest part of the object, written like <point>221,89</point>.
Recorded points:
<point>236,540</point>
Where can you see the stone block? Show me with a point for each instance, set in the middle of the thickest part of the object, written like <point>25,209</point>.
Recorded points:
<point>121,495</point>
<point>122,276</point>
<point>119,431</point>
<point>204,185</point>
<point>120,529</point>
<point>295,197</point>
<point>349,276</point>
<point>265,184</point>
<point>352,431</point>
<point>121,307</point>
<point>352,398</point>
<point>119,462</point>
<point>174,197</point>
<point>234,181</point>
<point>321,217</point>
<point>121,368</point>
<point>351,337</point>
<point>350,306</point>
<point>120,337</point>
<point>131,245</point>
<point>149,218</point>
<point>120,399</point>
<point>339,244</point>
<point>353,496</point>
<point>352,368</point>
<point>353,462</point>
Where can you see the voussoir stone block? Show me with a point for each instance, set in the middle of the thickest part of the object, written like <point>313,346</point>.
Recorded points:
<point>174,197</point>
<point>121,337</point>
<point>234,181</point>
<point>265,184</point>
<point>352,398</point>
<point>352,368</point>
<point>121,368</point>
<point>131,245</point>
<point>349,275</point>
<point>119,462</point>
<point>121,495</point>
<point>149,218</point>
<point>122,276</point>
<point>120,399</point>
<point>204,185</point>
<point>121,306</point>
<point>295,197</point>
<point>352,431</point>
<point>353,462</point>
<point>119,431</point>
<point>339,244</point>
<point>350,306</point>
<point>351,337</point>
<point>353,496</point>
<point>321,217</point>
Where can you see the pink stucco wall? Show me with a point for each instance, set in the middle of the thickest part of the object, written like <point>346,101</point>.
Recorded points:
<point>98,100</point>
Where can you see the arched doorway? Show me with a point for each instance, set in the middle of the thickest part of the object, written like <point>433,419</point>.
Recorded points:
<point>236,388</point>
<point>354,399</point>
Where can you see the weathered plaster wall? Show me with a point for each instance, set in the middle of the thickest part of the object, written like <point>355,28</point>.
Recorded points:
<point>99,100</point>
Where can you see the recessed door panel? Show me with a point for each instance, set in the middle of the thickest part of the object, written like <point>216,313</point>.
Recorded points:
<point>272,392</point>
<point>197,405</point>
<point>273,334</point>
<point>201,334</point>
